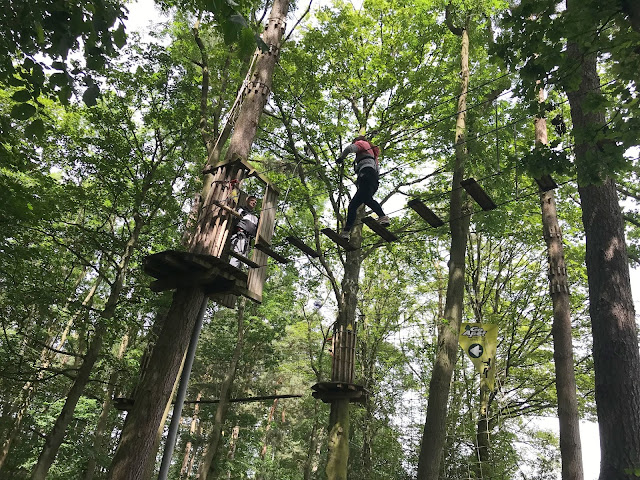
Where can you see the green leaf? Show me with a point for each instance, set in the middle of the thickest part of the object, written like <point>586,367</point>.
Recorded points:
<point>120,37</point>
<point>35,128</point>
<point>90,95</point>
<point>23,111</point>
<point>23,95</point>
<point>65,94</point>
<point>262,45</point>
<point>59,79</point>
<point>39,33</point>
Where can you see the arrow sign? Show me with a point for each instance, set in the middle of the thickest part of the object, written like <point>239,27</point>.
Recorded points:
<point>476,350</point>
<point>479,341</point>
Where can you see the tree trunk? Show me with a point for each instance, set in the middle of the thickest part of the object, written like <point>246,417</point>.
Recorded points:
<point>138,440</point>
<point>615,341</point>
<point>206,467</point>
<point>265,441</point>
<point>338,442</point>
<point>134,452</point>
<point>313,444</point>
<point>570,446</point>
<point>235,434</point>
<point>56,436</point>
<point>338,455</point>
<point>482,428</point>
<point>190,447</point>
<point>99,434</point>
<point>433,436</point>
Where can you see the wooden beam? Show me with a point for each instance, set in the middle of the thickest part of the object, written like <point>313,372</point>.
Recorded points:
<point>243,259</point>
<point>478,194</point>
<point>343,242</point>
<point>425,212</point>
<point>379,229</point>
<point>272,253</point>
<point>302,246</point>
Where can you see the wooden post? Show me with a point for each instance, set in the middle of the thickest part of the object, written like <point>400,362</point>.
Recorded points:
<point>344,354</point>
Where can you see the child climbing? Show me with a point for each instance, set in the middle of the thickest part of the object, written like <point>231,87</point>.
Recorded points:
<point>245,230</point>
<point>367,171</point>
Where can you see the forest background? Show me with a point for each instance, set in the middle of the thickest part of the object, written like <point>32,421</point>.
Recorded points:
<point>144,14</point>
<point>269,436</point>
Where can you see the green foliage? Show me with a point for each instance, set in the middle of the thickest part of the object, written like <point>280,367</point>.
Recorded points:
<point>529,42</point>
<point>39,36</point>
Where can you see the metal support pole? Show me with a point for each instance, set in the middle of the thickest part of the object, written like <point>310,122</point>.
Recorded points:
<point>182,393</point>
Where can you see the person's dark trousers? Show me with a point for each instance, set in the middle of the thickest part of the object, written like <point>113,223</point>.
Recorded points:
<point>367,184</point>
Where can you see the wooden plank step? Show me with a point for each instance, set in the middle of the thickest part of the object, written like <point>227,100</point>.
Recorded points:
<point>343,242</point>
<point>302,246</point>
<point>546,183</point>
<point>263,247</point>
<point>425,212</point>
<point>243,259</point>
<point>379,229</point>
<point>478,194</point>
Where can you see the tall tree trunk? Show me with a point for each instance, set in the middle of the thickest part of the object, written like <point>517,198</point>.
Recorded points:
<point>570,446</point>
<point>235,433</point>
<point>339,424</point>
<point>56,436</point>
<point>138,439</point>
<point>615,341</point>
<point>99,434</point>
<point>206,467</point>
<point>433,436</point>
<point>265,440</point>
<point>313,445</point>
<point>134,451</point>
<point>190,446</point>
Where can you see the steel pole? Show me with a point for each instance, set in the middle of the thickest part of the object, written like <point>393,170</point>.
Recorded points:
<point>182,393</point>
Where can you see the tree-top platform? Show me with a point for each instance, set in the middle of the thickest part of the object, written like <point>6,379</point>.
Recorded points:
<point>175,269</point>
<point>328,391</point>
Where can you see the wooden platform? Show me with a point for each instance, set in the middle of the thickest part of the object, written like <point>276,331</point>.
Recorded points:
<point>343,242</point>
<point>386,234</point>
<point>474,189</point>
<point>300,245</point>
<point>425,212</point>
<point>328,391</point>
<point>174,269</point>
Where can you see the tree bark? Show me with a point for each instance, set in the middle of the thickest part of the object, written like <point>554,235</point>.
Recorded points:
<point>568,417</point>
<point>615,341</point>
<point>435,426</point>
<point>137,443</point>
<point>338,442</point>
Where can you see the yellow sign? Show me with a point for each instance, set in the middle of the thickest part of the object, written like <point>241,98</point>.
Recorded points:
<point>480,341</point>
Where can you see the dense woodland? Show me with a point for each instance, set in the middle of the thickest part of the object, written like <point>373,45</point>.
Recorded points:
<point>103,138</point>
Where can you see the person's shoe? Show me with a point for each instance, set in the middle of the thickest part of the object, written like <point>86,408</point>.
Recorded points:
<point>384,221</point>
<point>345,234</point>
